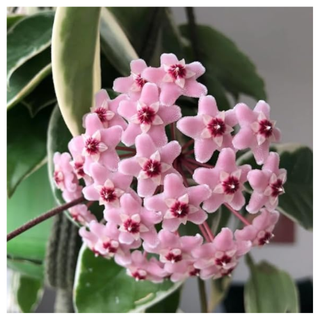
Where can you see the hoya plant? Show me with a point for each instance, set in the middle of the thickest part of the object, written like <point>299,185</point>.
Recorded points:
<point>129,151</point>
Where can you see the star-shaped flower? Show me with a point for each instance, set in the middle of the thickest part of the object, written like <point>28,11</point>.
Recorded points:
<point>176,78</point>
<point>179,204</point>
<point>147,116</point>
<point>267,184</point>
<point>108,186</point>
<point>143,269</point>
<point>133,84</point>
<point>81,214</point>
<point>150,164</point>
<point>103,241</point>
<point>210,129</point>
<point>107,109</point>
<point>225,180</point>
<point>220,257</point>
<point>63,175</point>
<point>175,253</point>
<point>257,130</point>
<point>134,220</point>
<point>97,144</point>
<point>260,232</point>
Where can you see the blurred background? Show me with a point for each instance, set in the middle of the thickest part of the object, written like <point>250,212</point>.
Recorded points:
<point>279,42</point>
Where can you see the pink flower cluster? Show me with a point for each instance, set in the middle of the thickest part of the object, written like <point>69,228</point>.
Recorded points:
<point>151,185</point>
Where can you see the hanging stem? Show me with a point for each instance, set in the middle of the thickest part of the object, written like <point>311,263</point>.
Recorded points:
<point>199,164</point>
<point>43,217</point>
<point>203,295</point>
<point>209,232</point>
<point>173,133</point>
<point>238,215</point>
<point>125,149</point>
<point>187,144</point>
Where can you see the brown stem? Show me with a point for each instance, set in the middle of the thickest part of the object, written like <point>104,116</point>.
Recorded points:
<point>43,217</point>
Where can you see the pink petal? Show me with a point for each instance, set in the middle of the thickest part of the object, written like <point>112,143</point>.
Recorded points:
<point>195,89</point>
<point>129,204</point>
<point>226,160</point>
<point>154,75</point>
<point>171,225</point>
<point>263,107</point>
<point>155,203</point>
<point>244,114</point>
<point>247,233</point>
<point>121,181</point>
<point>170,92</point>
<point>173,186</point>
<point>151,238</point>
<point>258,180</point>
<point>168,59</point>
<point>111,136</point>
<point>191,126</point>
<point>198,217</point>
<point>238,201</point>
<point>127,109</point>
<point>168,239</point>
<point>224,240</point>
<point>126,238</point>
<point>110,159</point>
<point>149,94</point>
<point>189,243</point>
<point>158,135</point>
<point>129,166</point>
<point>277,134</point>
<point>118,121</point>
<point>130,134</point>
<point>100,97</point>
<point>207,176</point>
<point>256,202</point>
<point>170,151</point>
<point>244,172</point>
<point>197,68</point>
<point>198,194</point>
<point>243,247</point>
<point>169,114</point>
<point>208,105</point>
<point>93,123</point>
<point>261,152</point>
<point>272,162</point>
<point>112,215</point>
<point>213,203</point>
<point>204,149</point>
<point>90,193</point>
<point>150,217</point>
<point>146,187</point>
<point>231,118</point>
<point>145,146</point>
<point>244,138</point>
<point>123,84</point>
<point>137,66</point>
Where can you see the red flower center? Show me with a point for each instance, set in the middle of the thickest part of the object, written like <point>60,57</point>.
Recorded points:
<point>223,260</point>
<point>179,209</point>
<point>58,177</point>
<point>139,275</point>
<point>265,238</point>
<point>216,127</point>
<point>173,257</point>
<point>152,168</point>
<point>92,146</point>
<point>140,81</point>
<point>146,115</point>
<point>108,194</point>
<point>277,188</point>
<point>108,246</point>
<point>231,185</point>
<point>102,114</point>
<point>78,167</point>
<point>131,226</point>
<point>265,128</point>
<point>177,71</point>
<point>194,273</point>
<point>226,272</point>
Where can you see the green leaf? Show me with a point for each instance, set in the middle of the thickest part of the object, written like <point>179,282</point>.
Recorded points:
<point>27,38</point>
<point>222,58</point>
<point>269,290</point>
<point>29,292</point>
<point>297,201</point>
<point>27,77</point>
<point>76,62</point>
<point>13,19</point>
<point>219,289</point>
<point>32,198</point>
<point>26,144</point>
<point>42,97</point>
<point>101,286</point>
<point>114,43</point>
<point>170,304</point>
<point>33,269</point>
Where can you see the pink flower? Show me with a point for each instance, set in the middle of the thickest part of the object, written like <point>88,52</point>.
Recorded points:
<point>220,257</point>
<point>260,232</point>
<point>225,180</point>
<point>143,269</point>
<point>267,184</point>
<point>147,116</point>
<point>176,78</point>
<point>81,214</point>
<point>210,129</point>
<point>150,164</point>
<point>133,84</point>
<point>97,144</point>
<point>179,204</point>
<point>63,175</point>
<point>107,109</point>
<point>108,186</point>
<point>257,130</point>
<point>134,220</point>
<point>103,241</point>
<point>175,253</point>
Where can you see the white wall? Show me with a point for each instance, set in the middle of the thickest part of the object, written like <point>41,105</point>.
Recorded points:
<point>279,42</point>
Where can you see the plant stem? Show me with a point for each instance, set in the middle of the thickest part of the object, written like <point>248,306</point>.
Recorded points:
<point>187,144</point>
<point>43,217</point>
<point>125,149</point>
<point>209,232</point>
<point>238,215</point>
<point>203,295</point>
<point>199,164</point>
